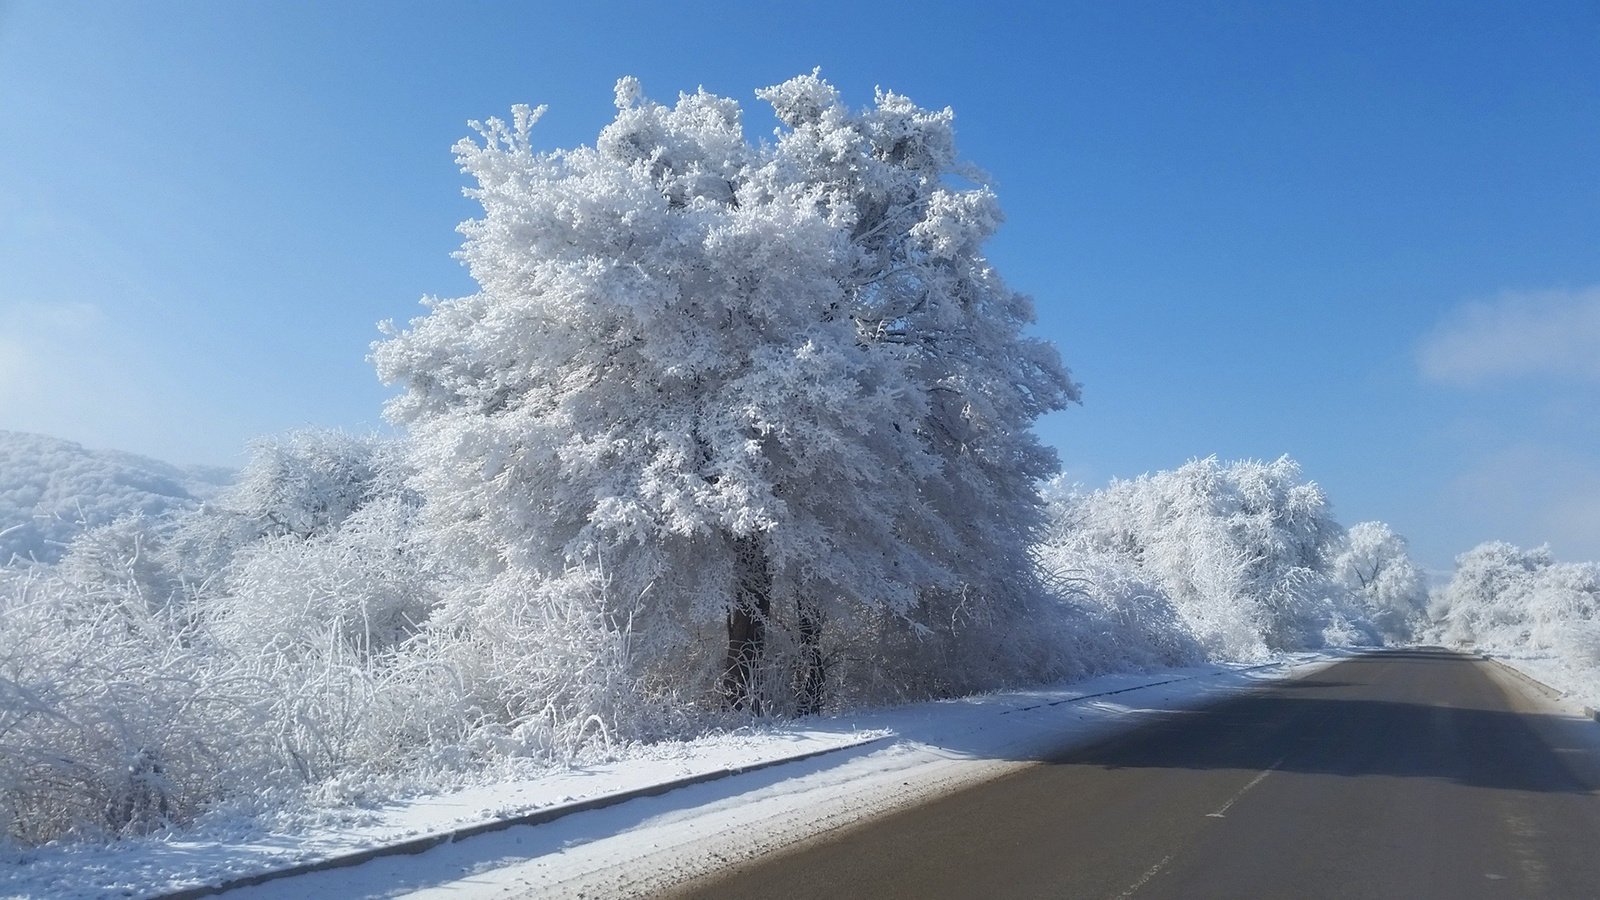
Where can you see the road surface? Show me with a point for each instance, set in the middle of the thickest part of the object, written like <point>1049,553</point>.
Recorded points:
<point>1406,774</point>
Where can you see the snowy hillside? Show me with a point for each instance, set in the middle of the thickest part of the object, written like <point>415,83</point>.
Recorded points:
<point>50,489</point>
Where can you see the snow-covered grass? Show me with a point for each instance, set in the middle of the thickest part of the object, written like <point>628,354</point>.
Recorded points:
<point>882,758</point>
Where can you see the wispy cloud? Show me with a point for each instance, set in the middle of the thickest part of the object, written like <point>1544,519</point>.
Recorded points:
<point>1549,334</point>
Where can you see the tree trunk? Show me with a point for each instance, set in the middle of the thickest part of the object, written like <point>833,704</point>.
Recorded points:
<point>811,680</point>
<point>747,624</point>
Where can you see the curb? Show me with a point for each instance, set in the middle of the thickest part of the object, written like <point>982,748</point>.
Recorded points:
<point>413,846</point>
<point>1535,683</point>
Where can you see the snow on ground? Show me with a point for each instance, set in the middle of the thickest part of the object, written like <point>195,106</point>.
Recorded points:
<point>879,759</point>
<point>1578,684</point>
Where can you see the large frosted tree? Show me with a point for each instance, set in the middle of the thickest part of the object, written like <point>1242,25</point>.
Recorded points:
<point>772,391</point>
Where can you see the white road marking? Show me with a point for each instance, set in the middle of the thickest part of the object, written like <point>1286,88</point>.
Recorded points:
<point>1155,870</point>
<point>1145,878</point>
<point>1221,811</point>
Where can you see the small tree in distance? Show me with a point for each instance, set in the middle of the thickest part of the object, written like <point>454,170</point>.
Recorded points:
<point>773,386</point>
<point>1376,564</point>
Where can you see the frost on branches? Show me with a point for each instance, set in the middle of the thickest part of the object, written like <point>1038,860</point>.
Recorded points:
<point>1247,553</point>
<point>1377,565</point>
<point>773,398</point>
<point>1506,599</point>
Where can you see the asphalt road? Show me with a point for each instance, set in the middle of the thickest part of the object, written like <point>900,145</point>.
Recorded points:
<point>1409,774</point>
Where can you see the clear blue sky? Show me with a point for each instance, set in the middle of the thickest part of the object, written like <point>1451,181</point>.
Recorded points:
<point>1366,234</point>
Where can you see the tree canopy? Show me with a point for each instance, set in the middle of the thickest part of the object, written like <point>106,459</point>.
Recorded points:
<point>733,373</point>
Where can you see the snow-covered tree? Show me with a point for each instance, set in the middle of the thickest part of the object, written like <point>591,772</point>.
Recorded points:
<point>772,386</point>
<point>1242,549</point>
<point>1505,597</point>
<point>1376,566</point>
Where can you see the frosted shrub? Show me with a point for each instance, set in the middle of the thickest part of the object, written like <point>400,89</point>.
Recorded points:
<point>124,563</point>
<point>1506,598</point>
<point>327,620</point>
<point>162,667</point>
<point>1563,604</point>
<point>336,713</point>
<point>369,585</point>
<point>304,484</point>
<point>308,482</point>
<point>1485,595</point>
<point>1140,626</point>
<point>550,667</point>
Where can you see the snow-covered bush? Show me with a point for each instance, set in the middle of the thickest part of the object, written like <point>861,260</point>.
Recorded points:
<point>550,666</point>
<point>316,574</point>
<point>370,584</point>
<point>775,392</point>
<point>300,485</point>
<point>307,482</point>
<point>124,562</point>
<point>303,483</point>
<point>115,718</point>
<point>263,640</point>
<point>1524,604</point>
<point>1141,625</point>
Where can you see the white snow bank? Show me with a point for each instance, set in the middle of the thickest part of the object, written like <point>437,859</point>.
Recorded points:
<point>1578,684</point>
<point>884,758</point>
<point>222,849</point>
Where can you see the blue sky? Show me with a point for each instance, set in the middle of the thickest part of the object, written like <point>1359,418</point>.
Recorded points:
<point>1363,234</point>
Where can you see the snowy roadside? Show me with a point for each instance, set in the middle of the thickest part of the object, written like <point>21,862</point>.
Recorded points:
<point>791,782</point>
<point>1577,686</point>
<point>223,850</point>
